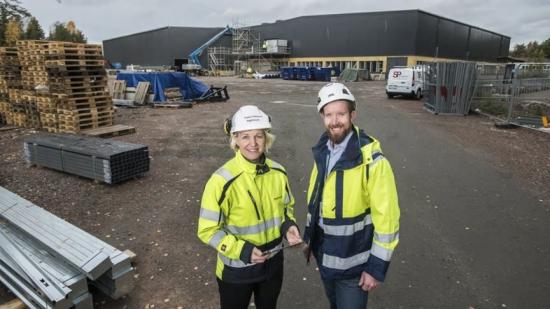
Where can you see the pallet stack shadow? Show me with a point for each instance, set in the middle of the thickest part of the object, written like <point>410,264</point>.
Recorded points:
<point>48,262</point>
<point>109,161</point>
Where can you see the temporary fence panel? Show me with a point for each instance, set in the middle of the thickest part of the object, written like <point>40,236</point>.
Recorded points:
<point>449,87</point>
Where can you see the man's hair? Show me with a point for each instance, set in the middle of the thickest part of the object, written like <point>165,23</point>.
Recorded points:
<point>351,107</point>
<point>269,140</point>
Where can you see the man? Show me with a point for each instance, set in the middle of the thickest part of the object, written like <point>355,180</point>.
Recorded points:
<point>353,215</point>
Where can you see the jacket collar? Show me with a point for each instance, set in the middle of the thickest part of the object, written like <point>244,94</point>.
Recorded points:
<point>250,167</point>
<point>352,155</point>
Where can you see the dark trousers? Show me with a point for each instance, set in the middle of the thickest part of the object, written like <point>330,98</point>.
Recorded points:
<point>345,294</point>
<point>237,295</point>
<point>342,293</point>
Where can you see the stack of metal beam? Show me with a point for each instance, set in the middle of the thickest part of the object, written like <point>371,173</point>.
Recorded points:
<point>104,160</point>
<point>47,261</point>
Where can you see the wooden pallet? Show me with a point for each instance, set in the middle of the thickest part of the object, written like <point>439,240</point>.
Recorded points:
<point>74,62</point>
<point>119,89</point>
<point>75,91</point>
<point>172,94</point>
<point>110,131</point>
<point>142,90</point>
<point>75,128</point>
<point>73,56</point>
<point>7,128</point>
<point>172,105</point>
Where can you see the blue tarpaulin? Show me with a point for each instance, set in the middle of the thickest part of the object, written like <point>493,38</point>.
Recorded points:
<point>190,88</point>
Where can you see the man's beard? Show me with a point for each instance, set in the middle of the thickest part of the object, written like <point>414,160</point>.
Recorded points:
<point>338,138</point>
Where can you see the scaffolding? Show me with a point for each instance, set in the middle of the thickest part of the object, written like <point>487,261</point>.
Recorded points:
<point>220,59</point>
<point>246,55</point>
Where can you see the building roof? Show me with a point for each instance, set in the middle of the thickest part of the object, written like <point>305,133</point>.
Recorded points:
<point>163,29</point>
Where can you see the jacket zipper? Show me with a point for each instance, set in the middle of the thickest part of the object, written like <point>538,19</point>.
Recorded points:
<point>255,205</point>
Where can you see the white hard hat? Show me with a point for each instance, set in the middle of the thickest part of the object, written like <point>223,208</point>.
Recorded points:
<point>249,117</point>
<point>333,92</point>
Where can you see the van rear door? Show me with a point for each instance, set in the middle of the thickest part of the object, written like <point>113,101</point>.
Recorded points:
<point>399,80</point>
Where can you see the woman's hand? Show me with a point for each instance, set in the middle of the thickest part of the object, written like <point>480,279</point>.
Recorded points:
<point>258,256</point>
<point>293,236</point>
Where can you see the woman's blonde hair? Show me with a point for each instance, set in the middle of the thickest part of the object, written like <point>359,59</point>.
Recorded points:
<point>269,140</point>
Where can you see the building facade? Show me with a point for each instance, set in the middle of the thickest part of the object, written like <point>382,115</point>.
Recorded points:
<point>375,41</point>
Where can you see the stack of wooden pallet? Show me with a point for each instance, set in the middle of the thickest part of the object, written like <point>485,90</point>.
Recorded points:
<point>77,78</point>
<point>58,86</point>
<point>10,78</point>
<point>47,107</point>
<point>173,94</point>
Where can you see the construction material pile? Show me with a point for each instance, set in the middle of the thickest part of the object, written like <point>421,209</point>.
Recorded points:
<point>48,262</point>
<point>62,86</point>
<point>109,161</point>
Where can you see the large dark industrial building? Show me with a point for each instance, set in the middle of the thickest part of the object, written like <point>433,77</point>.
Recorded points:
<point>376,41</point>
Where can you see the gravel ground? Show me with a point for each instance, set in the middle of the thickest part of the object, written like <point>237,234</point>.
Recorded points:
<point>155,216</point>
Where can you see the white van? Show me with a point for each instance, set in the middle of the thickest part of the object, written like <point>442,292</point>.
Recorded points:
<point>405,81</point>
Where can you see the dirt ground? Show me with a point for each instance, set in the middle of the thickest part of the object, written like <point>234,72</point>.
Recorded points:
<point>155,216</point>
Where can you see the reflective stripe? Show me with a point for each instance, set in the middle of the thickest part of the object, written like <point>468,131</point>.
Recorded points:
<point>233,263</point>
<point>226,174</point>
<point>381,252</point>
<point>308,222</point>
<point>287,199</point>
<point>276,165</point>
<point>335,262</point>
<point>216,239</point>
<point>347,230</point>
<point>209,215</point>
<point>240,264</point>
<point>386,238</point>
<point>254,229</point>
<point>379,157</point>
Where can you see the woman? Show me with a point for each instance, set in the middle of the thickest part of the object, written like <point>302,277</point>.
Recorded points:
<point>246,210</point>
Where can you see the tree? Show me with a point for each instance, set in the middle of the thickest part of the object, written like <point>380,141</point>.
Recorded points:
<point>34,31</point>
<point>13,32</point>
<point>66,32</point>
<point>532,51</point>
<point>10,9</point>
<point>545,46</point>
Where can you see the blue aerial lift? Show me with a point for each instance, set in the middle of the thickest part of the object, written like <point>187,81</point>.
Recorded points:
<point>194,55</point>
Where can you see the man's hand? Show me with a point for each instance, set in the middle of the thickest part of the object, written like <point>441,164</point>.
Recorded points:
<point>258,256</point>
<point>368,283</point>
<point>293,236</point>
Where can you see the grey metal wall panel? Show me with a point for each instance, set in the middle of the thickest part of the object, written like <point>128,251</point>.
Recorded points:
<point>445,38</point>
<point>158,47</point>
<point>504,46</point>
<point>358,34</point>
<point>484,45</point>
<point>427,35</point>
<point>452,39</point>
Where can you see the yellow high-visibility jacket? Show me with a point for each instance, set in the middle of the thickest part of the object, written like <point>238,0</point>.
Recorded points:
<point>245,205</point>
<point>360,211</point>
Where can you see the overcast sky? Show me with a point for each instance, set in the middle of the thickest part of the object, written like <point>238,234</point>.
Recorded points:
<point>522,20</point>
